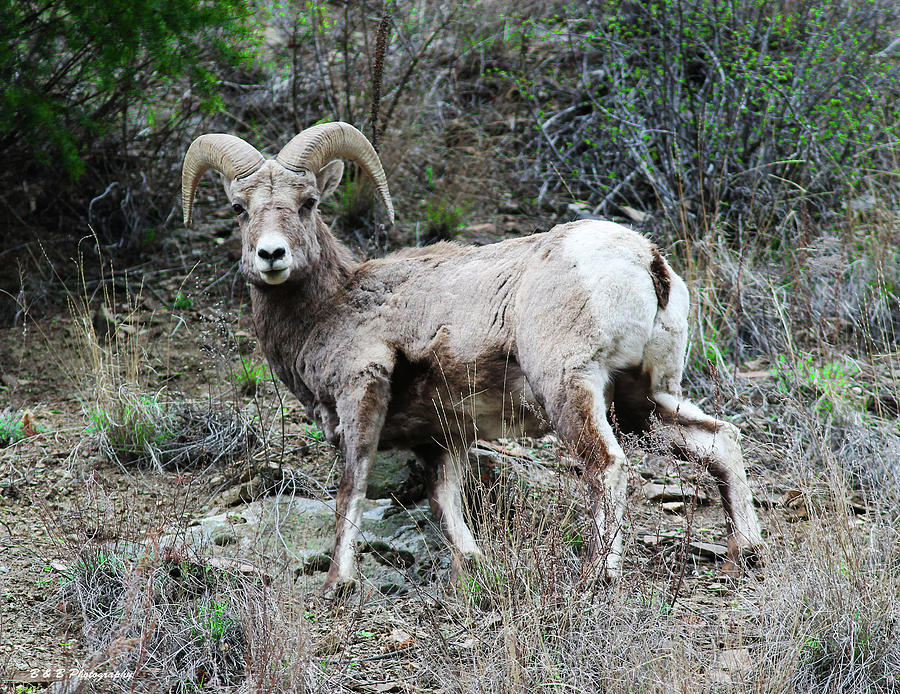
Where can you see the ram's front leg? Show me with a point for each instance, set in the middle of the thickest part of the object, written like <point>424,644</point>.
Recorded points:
<point>361,413</point>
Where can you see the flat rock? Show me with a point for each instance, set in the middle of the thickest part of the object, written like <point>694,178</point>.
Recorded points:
<point>634,215</point>
<point>712,550</point>
<point>673,491</point>
<point>398,547</point>
<point>730,664</point>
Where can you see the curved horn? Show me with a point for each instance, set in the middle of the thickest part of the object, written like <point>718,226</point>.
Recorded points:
<point>227,154</point>
<point>316,146</point>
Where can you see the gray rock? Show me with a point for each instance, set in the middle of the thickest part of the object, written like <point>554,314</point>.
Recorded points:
<point>673,491</point>
<point>397,475</point>
<point>580,211</point>
<point>398,546</point>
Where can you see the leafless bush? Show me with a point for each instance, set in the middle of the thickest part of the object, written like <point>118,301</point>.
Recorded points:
<point>739,114</point>
<point>170,433</point>
<point>163,614</point>
<point>822,617</point>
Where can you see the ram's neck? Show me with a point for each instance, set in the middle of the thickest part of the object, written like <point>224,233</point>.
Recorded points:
<point>285,314</point>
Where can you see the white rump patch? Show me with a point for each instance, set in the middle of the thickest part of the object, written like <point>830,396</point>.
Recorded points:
<point>612,264</point>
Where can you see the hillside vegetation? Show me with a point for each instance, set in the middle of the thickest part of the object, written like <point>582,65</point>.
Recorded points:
<point>756,142</point>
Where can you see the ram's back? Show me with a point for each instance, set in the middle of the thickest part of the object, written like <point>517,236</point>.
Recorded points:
<point>471,327</point>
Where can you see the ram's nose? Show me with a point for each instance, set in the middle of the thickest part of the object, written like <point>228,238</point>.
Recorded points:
<point>273,258</point>
<point>271,250</point>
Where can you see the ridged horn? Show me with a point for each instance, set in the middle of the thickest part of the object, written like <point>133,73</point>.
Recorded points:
<point>226,154</point>
<point>318,145</point>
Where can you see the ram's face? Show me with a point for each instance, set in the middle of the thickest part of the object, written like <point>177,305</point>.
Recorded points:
<point>277,210</point>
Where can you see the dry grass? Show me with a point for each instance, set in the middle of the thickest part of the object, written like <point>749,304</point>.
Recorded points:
<point>821,616</point>
<point>132,424</point>
<point>176,620</point>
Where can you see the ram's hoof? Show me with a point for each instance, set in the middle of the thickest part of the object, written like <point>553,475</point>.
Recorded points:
<point>463,566</point>
<point>337,590</point>
<point>742,558</point>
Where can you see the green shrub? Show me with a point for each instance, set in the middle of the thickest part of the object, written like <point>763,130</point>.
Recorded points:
<point>732,115</point>
<point>442,221</point>
<point>11,427</point>
<point>832,386</point>
<point>203,616</point>
<point>250,376</point>
<point>313,433</point>
<point>93,93</point>
<point>183,302</point>
<point>155,431</point>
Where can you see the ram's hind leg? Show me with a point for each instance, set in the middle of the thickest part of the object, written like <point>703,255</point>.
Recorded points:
<point>578,413</point>
<point>715,443</point>
<point>446,477</point>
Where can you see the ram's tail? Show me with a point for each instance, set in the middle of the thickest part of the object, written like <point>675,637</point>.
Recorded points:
<point>662,280</point>
<point>664,352</point>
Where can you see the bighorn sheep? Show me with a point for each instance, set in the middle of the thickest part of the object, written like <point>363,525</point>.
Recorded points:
<point>424,348</point>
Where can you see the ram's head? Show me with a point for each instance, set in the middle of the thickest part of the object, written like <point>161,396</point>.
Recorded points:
<point>276,200</point>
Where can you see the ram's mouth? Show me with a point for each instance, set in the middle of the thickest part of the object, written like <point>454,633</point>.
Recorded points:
<point>275,276</point>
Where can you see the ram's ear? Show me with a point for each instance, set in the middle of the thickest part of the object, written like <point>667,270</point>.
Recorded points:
<point>329,177</point>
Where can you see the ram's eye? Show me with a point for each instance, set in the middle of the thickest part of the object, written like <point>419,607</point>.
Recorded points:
<point>237,208</point>
<point>309,203</point>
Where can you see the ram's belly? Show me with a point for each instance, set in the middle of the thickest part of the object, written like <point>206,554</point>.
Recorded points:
<point>455,408</point>
<point>492,413</point>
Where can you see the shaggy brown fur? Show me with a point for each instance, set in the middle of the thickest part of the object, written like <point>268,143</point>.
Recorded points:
<point>433,348</point>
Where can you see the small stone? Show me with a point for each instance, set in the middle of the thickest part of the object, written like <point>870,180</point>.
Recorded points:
<point>481,233</point>
<point>398,640</point>
<point>240,565</point>
<point>655,491</point>
<point>224,539</point>
<point>633,214</point>
<point>230,497</point>
<point>735,659</point>
<point>654,540</point>
<point>713,550</point>
<point>132,330</point>
<point>486,228</point>
<point>580,211</point>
